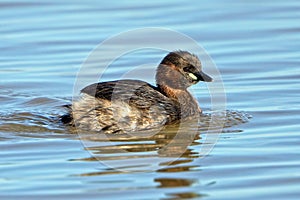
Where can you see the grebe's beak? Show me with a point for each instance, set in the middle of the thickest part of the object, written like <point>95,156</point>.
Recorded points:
<point>201,76</point>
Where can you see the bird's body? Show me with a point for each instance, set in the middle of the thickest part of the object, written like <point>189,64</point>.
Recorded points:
<point>132,105</point>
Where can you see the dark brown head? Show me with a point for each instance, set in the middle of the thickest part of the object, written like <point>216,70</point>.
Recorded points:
<point>180,70</point>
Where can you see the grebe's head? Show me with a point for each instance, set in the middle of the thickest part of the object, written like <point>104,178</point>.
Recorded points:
<point>179,70</point>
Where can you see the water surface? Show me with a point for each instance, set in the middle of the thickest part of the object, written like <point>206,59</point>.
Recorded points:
<point>256,48</point>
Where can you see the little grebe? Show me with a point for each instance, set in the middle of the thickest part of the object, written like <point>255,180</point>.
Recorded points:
<point>131,105</point>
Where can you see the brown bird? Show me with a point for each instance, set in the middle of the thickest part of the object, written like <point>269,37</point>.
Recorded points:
<point>124,106</point>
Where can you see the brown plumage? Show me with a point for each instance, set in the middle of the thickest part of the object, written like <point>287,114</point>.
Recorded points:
<point>131,105</point>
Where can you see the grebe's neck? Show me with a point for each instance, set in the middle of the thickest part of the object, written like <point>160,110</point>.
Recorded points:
<point>187,102</point>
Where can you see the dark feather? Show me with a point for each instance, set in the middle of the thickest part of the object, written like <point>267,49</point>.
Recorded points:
<point>137,93</point>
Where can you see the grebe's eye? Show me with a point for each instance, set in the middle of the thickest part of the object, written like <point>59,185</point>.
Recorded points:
<point>189,68</point>
<point>186,69</point>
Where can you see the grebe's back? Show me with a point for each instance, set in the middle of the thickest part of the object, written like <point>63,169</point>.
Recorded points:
<point>123,106</point>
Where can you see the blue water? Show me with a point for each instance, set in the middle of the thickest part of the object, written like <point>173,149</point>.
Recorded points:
<point>254,45</point>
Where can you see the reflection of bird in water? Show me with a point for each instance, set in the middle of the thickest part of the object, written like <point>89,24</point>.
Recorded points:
<point>170,154</point>
<point>164,153</point>
<point>171,141</point>
<point>131,105</point>
<point>171,148</point>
